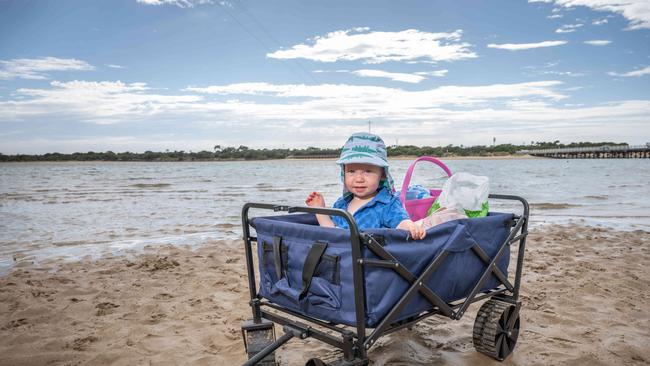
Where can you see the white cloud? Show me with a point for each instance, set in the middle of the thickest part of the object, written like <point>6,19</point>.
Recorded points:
<point>635,73</point>
<point>599,21</point>
<point>395,76</point>
<point>598,42</point>
<point>545,70</point>
<point>436,73</point>
<point>113,66</point>
<point>555,16</point>
<point>376,47</point>
<point>413,78</point>
<point>258,88</point>
<point>349,94</point>
<point>637,12</point>
<point>89,101</point>
<point>236,114</point>
<point>559,73</point>
<point>179,3</point>
<point>526,46</point>
<point>112,102</point>
<point>37,68</point>
<point>568,28</point>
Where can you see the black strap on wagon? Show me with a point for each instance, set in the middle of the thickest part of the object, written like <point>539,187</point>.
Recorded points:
<point>277,255</point>
<point>311,263</point>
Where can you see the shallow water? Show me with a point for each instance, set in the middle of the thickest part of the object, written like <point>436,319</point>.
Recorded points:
<point>78,209</point>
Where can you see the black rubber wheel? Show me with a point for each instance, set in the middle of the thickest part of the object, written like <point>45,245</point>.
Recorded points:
<point>496,329</point>
<point>339,362</point>
<point>315,362</point>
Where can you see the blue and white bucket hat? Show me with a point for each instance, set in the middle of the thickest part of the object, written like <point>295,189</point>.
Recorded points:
<point>366,148</point>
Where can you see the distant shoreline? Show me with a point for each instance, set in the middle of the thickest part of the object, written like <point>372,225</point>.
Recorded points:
<point>243,153</point>
<point>401,157</point>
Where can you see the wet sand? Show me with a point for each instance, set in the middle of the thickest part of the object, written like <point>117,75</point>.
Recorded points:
<point>585,293</point>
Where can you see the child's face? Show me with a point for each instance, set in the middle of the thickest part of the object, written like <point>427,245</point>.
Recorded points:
<point>362,180</point>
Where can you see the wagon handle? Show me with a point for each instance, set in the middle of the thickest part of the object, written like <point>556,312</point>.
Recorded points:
<point>409,173</point>
<point>513,198</point>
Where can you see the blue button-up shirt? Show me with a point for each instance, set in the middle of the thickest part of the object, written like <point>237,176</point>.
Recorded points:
<point>383,211</point>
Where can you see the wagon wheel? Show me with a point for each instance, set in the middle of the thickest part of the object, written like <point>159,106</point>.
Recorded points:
<point>496,328</point>
<point>315,362</point>
<point>341,362</point>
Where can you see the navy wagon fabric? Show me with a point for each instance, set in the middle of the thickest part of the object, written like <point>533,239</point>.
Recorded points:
<point>285,241</point>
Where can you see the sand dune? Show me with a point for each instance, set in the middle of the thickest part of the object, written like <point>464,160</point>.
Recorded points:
<point>585,292</point>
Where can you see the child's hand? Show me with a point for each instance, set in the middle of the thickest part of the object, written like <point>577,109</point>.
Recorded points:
<point>315,199</point>
<point>417,231</point>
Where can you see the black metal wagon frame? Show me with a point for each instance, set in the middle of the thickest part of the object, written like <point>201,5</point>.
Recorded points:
<point>496,327</point>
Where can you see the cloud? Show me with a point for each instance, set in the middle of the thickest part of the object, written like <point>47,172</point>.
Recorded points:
<point>637,12</point>
<point>268,115</point>
<point>444,95</point>
<point>113,66</point>
<point>102,102</point>
<point>406,78</point>
<point>526,46</point>
<point>413,78</point>
<point>114,101</point>
<point>599,21</point>
<point>598,42</point>
<point>377,47</point>
<point>561,73</point>
<point>436,73</point>
<point>37,68</point>
<point>545,70</point>
<point>555,16</point>
<point>635,73</point>
<point>568,28</point>
<point>179,3</point>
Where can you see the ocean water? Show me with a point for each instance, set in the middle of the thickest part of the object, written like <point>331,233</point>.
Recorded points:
<point>76,209</point>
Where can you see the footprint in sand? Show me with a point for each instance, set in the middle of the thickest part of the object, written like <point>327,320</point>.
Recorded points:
<point>194,302</point>
<point>105,308</point>
<point>82,344</point>
<point>163,296</point>
<point>158,264</point>
<point>43,293</point>
<point>15,324</point>
<point>156,318</point>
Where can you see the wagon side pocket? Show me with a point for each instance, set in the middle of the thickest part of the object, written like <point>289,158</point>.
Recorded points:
<point>274,262</point>
<point>325,289</point>
<point>320,278</point>
<point>314,278</point>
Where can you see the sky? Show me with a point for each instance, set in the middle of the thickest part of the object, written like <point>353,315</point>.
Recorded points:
<point>137,75</point>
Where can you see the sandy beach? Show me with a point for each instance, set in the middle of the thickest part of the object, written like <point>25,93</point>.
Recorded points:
<point>585,296</point>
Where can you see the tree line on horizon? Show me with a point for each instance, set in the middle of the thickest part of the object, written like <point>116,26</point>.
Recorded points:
<point>246,153</point>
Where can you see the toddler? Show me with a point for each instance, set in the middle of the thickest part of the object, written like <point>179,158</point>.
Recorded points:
<point>367,189</point>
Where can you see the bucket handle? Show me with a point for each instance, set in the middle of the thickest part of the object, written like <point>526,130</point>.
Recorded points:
<point>409,173</point>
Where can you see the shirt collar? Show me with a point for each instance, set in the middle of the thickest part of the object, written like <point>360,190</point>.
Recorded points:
<point>383,196</point>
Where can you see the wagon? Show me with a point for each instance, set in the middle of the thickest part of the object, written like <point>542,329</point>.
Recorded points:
<point>348,288</point>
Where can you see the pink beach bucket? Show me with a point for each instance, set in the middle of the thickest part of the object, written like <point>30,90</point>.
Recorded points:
<point>417,209</point>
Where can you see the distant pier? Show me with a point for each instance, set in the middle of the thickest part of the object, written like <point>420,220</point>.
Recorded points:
<point>595,152</point>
